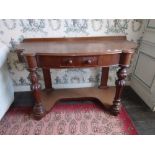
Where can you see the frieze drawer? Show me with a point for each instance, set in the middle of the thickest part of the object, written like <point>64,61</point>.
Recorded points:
<point>81,61</point>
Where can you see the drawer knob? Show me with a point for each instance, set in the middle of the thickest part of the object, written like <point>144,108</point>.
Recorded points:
<point>70,61</point>
<point>89,61</point>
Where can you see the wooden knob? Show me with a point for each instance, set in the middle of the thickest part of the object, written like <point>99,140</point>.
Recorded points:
<point>70,61</point>
<point>89,61</point>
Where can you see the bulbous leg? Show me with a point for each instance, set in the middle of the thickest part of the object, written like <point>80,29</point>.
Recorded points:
<point>120,83</point>
<point>38,109</point>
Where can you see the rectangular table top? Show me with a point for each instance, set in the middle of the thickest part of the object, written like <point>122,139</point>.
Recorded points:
<point>76,46</point>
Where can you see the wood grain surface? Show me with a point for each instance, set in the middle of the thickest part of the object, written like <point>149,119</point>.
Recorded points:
<point>105,96</point>
<point>76,46</point>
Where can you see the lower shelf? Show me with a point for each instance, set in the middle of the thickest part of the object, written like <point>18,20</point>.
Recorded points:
<point>105,96</point>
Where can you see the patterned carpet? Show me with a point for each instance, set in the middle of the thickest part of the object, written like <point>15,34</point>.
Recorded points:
<point>85,118</point>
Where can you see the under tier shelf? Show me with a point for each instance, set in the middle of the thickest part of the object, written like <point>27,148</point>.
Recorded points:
<point>51,96</point>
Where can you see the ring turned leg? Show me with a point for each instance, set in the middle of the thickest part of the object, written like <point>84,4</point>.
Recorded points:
<point>38,109</point>
<point>120,83</point>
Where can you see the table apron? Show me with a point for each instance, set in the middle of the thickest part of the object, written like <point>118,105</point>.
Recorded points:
<point>47,61</point>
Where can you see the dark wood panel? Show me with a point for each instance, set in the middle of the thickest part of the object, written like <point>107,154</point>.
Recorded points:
<point>109,59</point>
<point>47,78</point>
<point>68,62</point>
<point>77,61</point>
<point>88,61</point>
<point>85,61</point>
<point>104,78</point>
<point>48,61</point>
<point>125,58</point>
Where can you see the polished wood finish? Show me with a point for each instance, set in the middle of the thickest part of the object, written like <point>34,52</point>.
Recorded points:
<point>38,109</point>
<point>77,61</point>
<point>47,78</point>
<point>120,83</point>
<point>125,59</point>
<point>99,38</point>
<point>104,78</point>
<point>76,46</point>
<point>80,52</point>
<point>105,96</point>
<point>109,59</point>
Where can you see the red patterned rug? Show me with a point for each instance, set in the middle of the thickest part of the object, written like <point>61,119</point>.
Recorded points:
<point>67,119</point>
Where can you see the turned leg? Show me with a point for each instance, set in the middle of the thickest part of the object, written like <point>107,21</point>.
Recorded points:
<point>120,83</point>
<point>104,77</point>
<point>38,109</point>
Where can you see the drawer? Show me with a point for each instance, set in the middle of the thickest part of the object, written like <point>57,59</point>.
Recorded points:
<point>79,61</point>
<point>88,61</point>
<point>68,61</point>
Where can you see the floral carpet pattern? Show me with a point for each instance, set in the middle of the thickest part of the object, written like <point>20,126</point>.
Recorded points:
<point>67,119</point>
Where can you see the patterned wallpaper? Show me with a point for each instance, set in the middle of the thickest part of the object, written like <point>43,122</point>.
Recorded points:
<point>12,31</point>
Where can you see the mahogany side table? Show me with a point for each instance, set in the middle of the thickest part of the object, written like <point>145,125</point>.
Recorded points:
<point>82,52</point>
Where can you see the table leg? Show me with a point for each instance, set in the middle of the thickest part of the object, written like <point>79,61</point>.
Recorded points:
<point>47,78</point>
<point>120,83</point>
<point>104,77</point>
<point>38,109</point>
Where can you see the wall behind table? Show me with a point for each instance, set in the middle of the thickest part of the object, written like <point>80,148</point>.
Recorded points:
<point>12,31</point>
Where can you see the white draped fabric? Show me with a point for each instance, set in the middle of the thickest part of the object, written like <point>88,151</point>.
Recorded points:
<point>6,86</point>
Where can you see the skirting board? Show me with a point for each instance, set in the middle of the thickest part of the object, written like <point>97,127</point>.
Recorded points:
<point>59,86</point>
<point>143,92</point>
